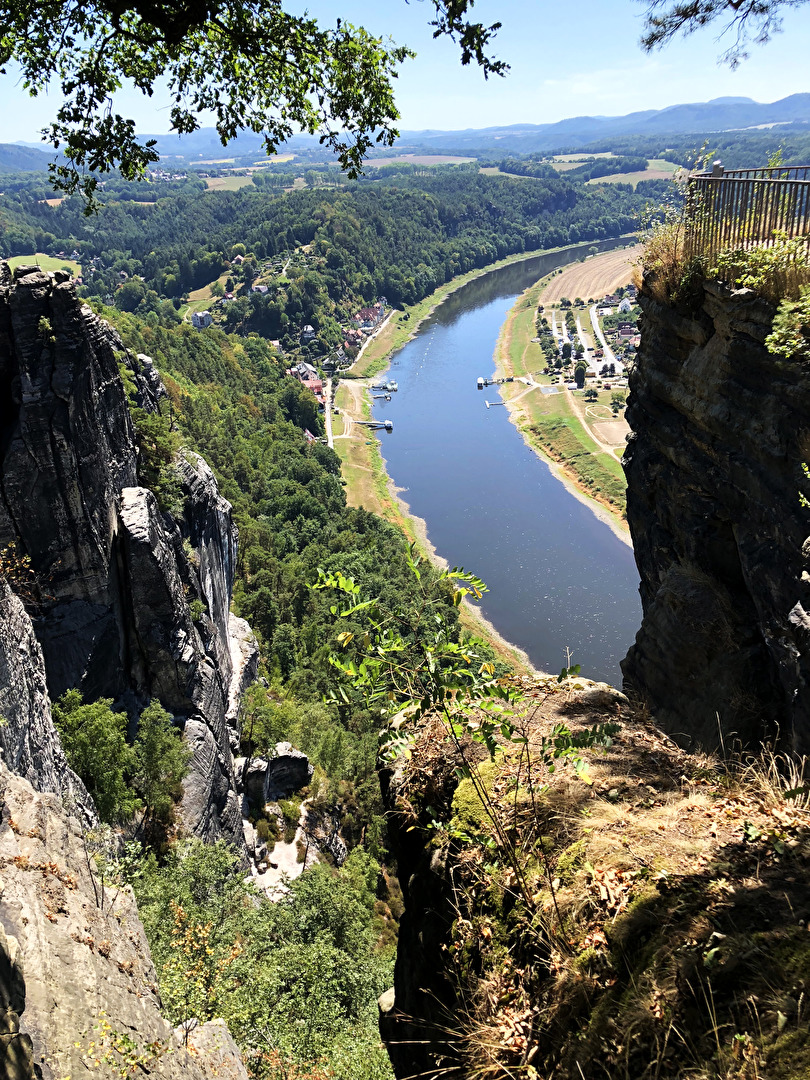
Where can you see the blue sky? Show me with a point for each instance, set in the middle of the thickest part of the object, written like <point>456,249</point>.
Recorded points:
<point>568,59</point>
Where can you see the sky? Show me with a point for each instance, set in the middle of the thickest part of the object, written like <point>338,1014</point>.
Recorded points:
<point>580,57</point>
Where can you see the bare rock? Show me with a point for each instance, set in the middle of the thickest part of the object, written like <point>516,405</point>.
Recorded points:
<point>73,956</point>
<point>30,743</point>
<point>116,578</point>
<point>264,780</point>
<point>289,771</point>
<point>713,470</point>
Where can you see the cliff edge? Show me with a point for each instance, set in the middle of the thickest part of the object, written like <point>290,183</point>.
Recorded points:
<point>714,467</point>
<point>127,601</point>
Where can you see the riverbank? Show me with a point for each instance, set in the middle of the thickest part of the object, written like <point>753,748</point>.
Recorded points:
<point>362,455</point>
<point>401,326</point>
<point>548,417</point>
<point>368,485</point>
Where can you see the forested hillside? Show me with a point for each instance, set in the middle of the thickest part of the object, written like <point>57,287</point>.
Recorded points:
<point>399,236</point>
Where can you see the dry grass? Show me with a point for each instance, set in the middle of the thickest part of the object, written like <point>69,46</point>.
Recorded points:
<point>228,183</point>
<point>418,159</point>
<point>596,277</point>
<point>664,938</point>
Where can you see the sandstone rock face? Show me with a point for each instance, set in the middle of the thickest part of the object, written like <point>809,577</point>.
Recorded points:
<point>266,780</point>
<point>128,603</point>
<point>721,430</point>
<point>73,957</point>
<point>30,744</point>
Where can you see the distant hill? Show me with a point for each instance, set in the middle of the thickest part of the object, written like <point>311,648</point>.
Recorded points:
<point>15,157</point>
<point>720,115</point>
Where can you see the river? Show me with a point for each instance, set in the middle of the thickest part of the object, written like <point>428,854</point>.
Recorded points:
<point>559,578</point>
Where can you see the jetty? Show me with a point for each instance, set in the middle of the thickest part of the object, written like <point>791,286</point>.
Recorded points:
<point>495,382</point>
<point>375,425</point>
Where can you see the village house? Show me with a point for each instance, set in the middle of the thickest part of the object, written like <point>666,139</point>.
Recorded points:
<point>625,305</point>
<point>368,318</point>
<point>308,333</point>
<point>201,319</point>
<point>262,289</point>
<point>303,371</point>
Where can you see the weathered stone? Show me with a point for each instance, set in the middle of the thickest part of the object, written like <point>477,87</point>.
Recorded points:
<point>267,780</point>
<point>288,771</point>
<point>714,469</point>
<point>213,1043</point>
<point>244,665</point>
<point>73,956</point>
<point>114,581</point>
<point>30,744</point>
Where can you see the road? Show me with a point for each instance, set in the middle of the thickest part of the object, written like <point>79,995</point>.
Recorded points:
<point>330,442</point>
<point>610,357</point>
<point>585,342</point>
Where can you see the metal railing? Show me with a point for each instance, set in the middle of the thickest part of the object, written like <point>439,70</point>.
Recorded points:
<point>746,208</point>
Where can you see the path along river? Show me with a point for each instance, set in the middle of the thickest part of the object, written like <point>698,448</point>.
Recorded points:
<point>558,576</point>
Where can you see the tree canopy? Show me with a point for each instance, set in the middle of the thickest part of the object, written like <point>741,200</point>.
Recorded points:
<point>747,20</point>
<point>251,65</point>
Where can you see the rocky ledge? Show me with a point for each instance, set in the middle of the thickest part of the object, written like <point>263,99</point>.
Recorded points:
<point>75,967</point>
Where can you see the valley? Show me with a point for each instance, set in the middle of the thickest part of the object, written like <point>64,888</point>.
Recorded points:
<point>311,483</point>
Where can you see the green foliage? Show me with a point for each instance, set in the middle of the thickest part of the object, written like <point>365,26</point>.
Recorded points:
<point>160,763</point>
<point>299,976</point>
<point>158,444</point>
<point>777,271</point>
<point>94,739</point>
<point>408,666</point>
<point>122,778</point>
<point>790,333</point>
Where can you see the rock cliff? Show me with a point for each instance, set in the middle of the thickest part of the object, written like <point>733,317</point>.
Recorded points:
<point>75,968</point>
<point>127,602</point>
<point>714,467</point>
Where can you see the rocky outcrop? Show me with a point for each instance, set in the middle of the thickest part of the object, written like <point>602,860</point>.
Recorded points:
<point>75,967</point>
<point>264,780</point>
<point>714,467</point>
<point>128,602</point>
<point>30,745</point>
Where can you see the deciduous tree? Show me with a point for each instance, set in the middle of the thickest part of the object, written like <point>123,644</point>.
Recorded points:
<point>252,65</point>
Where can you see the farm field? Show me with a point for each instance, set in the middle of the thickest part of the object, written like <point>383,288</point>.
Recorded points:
<point>658,169</point>
<point>419,159</point>
<point>228,183</point>
<point>593,278</point>
<point>44,262</point>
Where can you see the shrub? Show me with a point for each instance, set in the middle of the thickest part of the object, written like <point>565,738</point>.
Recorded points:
<point>776,272</point>
<point>94,739</point>
<point>790,336</point>
<point>122,778</point>
<point>160,763</point>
